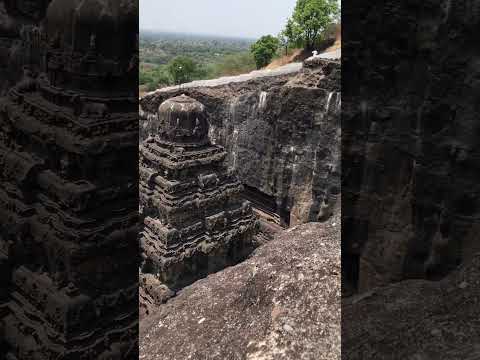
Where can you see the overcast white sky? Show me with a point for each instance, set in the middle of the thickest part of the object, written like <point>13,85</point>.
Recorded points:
<point>237,18</point>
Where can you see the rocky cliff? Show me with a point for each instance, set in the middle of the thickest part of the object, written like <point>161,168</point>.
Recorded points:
<point>271,307</point>
<point>281,130</point>
<point>410,134</point>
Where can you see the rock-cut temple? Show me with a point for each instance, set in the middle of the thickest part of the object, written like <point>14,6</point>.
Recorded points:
<point>67,231</point>
<point>195,220</point>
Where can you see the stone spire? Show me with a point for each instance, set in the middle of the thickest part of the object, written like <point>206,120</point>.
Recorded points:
<point>182,120</point>
<point>195,221</point>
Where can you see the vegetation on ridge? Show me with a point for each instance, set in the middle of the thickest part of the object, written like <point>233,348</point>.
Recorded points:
<point>264,50</point>
<point>162,53</point>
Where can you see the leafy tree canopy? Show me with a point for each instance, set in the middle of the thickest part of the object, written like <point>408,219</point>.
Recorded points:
<point>311,18</point>
<point>292,33</point>
<point>264,50</point>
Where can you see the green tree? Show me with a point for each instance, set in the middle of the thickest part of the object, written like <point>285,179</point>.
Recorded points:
<point>182,69</point>
<point>264,50</point>
<point>291,33</point>
<point>311,18</point>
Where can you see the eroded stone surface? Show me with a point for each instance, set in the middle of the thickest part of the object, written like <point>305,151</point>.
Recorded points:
<point>282,303</point>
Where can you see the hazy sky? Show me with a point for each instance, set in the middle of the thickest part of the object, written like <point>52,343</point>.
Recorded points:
<point>241,18</point>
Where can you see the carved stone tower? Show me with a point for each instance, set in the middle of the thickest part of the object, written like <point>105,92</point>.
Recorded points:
<point>195,219</point>
<point>68,189</point>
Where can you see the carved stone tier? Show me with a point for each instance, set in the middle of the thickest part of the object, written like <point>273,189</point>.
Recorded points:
<point>195,221</point>
<point>69,185</point>
<point>63,313</point>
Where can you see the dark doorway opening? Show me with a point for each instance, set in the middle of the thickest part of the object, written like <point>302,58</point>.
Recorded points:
<point>266,206</point>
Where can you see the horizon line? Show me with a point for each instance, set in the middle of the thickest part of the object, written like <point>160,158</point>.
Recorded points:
<point>244,37</point>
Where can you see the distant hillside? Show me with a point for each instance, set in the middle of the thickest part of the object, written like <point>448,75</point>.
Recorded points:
<point>159,48</point>
<point>214,56</point>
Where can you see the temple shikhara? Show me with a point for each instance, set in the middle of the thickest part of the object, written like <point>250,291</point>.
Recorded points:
<point>68,185</point>
<point>195,220</point>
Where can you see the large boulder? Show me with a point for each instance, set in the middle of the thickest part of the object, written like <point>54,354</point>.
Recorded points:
<point>282,303</point>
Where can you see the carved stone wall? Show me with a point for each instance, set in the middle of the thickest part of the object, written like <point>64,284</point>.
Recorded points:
<point>195,221</point>
<point>281,133</point>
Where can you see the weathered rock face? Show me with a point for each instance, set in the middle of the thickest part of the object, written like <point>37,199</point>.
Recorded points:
<point>416,319</point>
<point>410,152</point>
<point>195,221</point>
<point>270,307</point>
<point>281,133</point>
